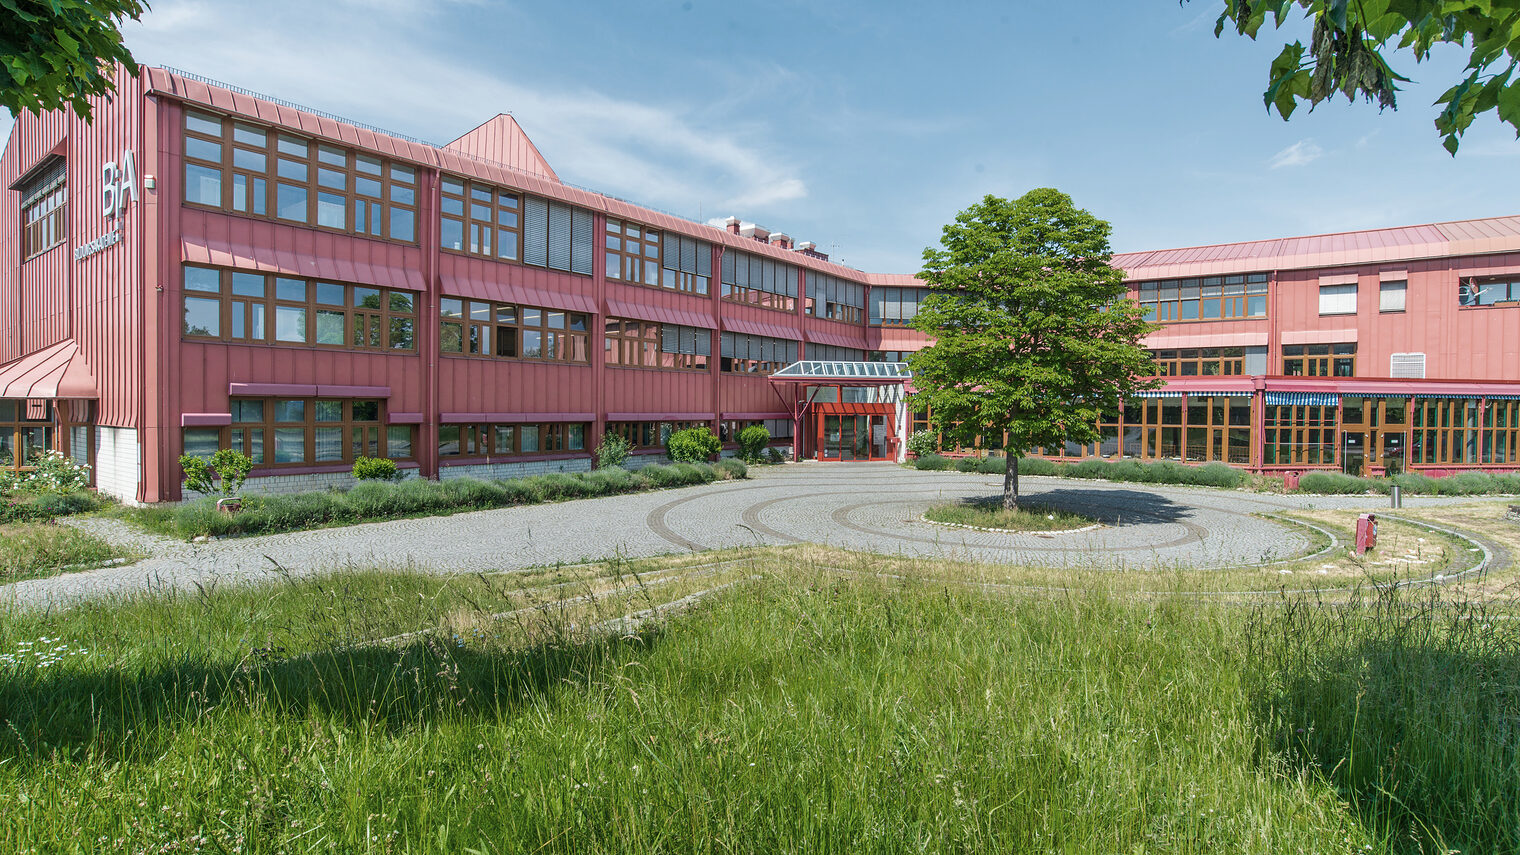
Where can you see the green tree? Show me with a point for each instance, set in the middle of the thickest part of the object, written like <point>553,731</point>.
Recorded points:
<point>57,53</point>
<point>1033,334</point>
<point>1349,43</point>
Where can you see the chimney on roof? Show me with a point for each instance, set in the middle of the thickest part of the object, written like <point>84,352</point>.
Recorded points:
<point>809,248</point>
<point>732,224</point>
<point>781,239</point>
<point>756,232</point>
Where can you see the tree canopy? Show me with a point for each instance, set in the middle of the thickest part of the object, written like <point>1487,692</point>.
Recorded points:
<point>1350,42</point>
<point>1033,334</point>
<point>59,53</point>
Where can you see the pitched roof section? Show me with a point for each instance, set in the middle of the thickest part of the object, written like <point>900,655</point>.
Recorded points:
<point>1374,246</point>
<point>503,140</point>
<point>56,371</point>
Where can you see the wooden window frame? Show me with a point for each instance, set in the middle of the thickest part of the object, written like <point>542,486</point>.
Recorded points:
<point>488,218</point>
<point>479,326</point>
<point>821,286</point>
<point>1319,360</point>
<point>1197,362</point>
<point>1205,299</point>
<point>649,435</point>
<point>629,343</point>
<point>759,295</point>
<point>632,253</point>
<point>388,318</point>
<point>1301,435</point>
<point>44,209</point>
<point>1439,437</point>
<point>14,425</point>
<point>488,439</point>
<point>365,214</point>
<point>781,430</point>
<point>1500,426</point>
<point>891,295</point>
<point>256,438</point>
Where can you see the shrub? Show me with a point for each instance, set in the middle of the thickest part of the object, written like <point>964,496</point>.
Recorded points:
<point>693,445</point>
<point>993,465</point>
<point>612,451</point>
<point>561,485</point>
<point>51,473</point>
<point>1217,475</point>
<point>1333,482</point>
<point>774,455</point>
<point>656,475</point>
<point>47,506</point>
<point>932,462</point>
<point>224,473</point>
<point>731,468</point>
<point>1036,466</point>
<point>610,481</point>
<point>968,464</point>
<point>752,442</point>
<point>922,443</point>
<point>375,469</point>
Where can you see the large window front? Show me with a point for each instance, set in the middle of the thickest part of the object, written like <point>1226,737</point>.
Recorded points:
<point>479,219</point>
<point>1319,360</point>
<point>1443,431</point>
<point>259,308</point>
<point>758,281</point>
<point>645,344</point>
<point>1501,432</point>
<point>835,298</point>
<point>44,210</point>
<point>895,307</point>
<point>1200,362</point>
<point>1300,435</point>
<point>510,440</point>
<point>250,169</point>
<point>755,354</point>
<point>305,432</point>
<point>505,331</point>
<point>1207,299</point>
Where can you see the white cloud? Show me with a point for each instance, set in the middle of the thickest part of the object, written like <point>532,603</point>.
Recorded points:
<point>369,67</point>
<point>1299,154</point>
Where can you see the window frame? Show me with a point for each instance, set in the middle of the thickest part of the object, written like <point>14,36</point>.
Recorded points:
<point>1204,299</point>
<point>482,440</point>
<point>44,208</point>
<point>257,437</point>
<point>478,327</point>
<point>1319,360</point>
<point>230,302</point>
<point>631,343</point>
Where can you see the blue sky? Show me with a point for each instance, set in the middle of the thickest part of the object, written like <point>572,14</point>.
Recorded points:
<point>864,127</point>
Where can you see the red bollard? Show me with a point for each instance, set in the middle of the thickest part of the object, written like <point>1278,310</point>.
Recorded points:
<point>1366,533</point>
<point>1290,480</point>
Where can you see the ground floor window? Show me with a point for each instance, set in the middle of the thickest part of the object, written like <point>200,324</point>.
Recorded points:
<point>29,429</point>
<point>510,440</point>
<point>1299,435</point>
<point>728,431</point>
<point>305,431</point>
<point>1443,431</point>
<point>1501,432</point>
<point>648,435</point>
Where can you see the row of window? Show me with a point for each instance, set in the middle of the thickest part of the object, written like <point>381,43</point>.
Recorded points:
<point>835,298</point>
<point>645,344</point>
<point>253,170</point>
<point>1319,360</point>
<point>1209,298</point>
<point>506,331</point>
<point>1200,362</point>
<point>758,281</point>
<point>895,307</point>
<point>638,256</point>
<point>231,305</point>
<point>832,353</point>
<point>741,353</point>
<point>484,440</point>
<point>296,431</point>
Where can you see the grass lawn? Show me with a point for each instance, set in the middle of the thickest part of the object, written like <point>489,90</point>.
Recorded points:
<point>815,705</point>
<point>29,550</point>
<point>990,513</point>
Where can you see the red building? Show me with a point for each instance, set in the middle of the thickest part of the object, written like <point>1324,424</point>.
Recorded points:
<point>203,267</point>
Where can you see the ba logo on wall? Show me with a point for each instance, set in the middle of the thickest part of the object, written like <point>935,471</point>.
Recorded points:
<point>118,184</point>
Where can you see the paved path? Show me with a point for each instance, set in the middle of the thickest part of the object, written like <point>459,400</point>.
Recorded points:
<point>857,506</point>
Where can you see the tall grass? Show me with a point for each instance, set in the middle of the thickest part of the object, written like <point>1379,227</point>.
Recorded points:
<point>806,712</point>
<point>30,550</point>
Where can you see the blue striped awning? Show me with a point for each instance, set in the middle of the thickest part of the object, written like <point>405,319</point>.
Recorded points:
<point>1236,394</point>
<point>1302,399</point>
<point>1503,397</point>
<point>1160,393</point>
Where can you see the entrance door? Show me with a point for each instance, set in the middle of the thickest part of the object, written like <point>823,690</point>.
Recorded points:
<point>880,433</point>
<point>855,437</point>
<point>1354,452</point>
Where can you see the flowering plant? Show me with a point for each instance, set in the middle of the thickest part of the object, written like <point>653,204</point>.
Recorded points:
<point>51,472</point>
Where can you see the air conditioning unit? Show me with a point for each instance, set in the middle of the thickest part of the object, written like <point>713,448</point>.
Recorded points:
<point>1411,365</point>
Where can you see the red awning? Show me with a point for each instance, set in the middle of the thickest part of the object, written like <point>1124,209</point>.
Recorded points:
<point>56,371</point>
<point>659,314</point>
<point>506,292</point>
<point>840,408</point>
<point>740,325</point>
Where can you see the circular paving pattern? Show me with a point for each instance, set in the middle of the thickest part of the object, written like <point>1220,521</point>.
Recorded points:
<point>875,507</point>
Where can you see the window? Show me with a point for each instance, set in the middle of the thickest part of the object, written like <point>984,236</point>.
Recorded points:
<point>754,354</point>
<point>1337,299</point>
<point>481,328</point>
<point>1391,296</point>
<point>480,219</point>
<point>758,281</point>
<point>1501,432</point>
<point>779,429</point>
<point>633,253</point>
<point>44,207</point>
<point>1207,299</point>
<point>648,435</point>
<point>1443,431</point>
<point>1488,292</point>
<point>888,355</point>
<point>510,440</point>
<point>686,264</point>
<point>1204,362</point>
<point>832,353</point>
<point>1319,360</point>
<point>259,308</point>
<point>557,236</point>
<point>1299,435</point>
<point>644,344</point>
<point>24,436</point>
<point>305,431</point>
<point>835,298</point>
<point>895,307</point>
<point>250,169</point>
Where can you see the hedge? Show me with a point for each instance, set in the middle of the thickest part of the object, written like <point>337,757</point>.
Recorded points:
<point>40,507</point>
<point>380,500</point>
<point>1163,472</point>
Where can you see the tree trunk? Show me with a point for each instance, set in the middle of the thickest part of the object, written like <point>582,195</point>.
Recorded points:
<point>1011,483</point>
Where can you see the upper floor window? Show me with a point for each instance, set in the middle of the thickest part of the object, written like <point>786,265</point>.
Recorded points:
<point>482,328</point>
<point>250,169</point>
<point>633,253</point>
<point>1391,296</point>
<point>758,281</point>
<point>1200,362</point>
<point>259,308</point>
<point>1208,299</point>
<point>44,203</point>
<point>480,219</point>
<point>741,353</point>
<point>832,353</point>
<point>835,298</point>
<point>1319,360</point>
<point>644,344</point>
<point>686,264</point>
<point>1337,299</point>
<point>557,236</point>
<point>888,355</point>
<point>1488,292</point>
<point>895,307</point>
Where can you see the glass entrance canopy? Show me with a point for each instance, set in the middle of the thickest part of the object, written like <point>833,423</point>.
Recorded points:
<point>845,372</point>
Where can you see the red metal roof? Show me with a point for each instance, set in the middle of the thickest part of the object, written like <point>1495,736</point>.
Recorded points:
<point>503,140</point>
<point>56,371</point>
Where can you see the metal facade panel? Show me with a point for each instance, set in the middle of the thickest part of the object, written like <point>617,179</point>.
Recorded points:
<point>631,390</point>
